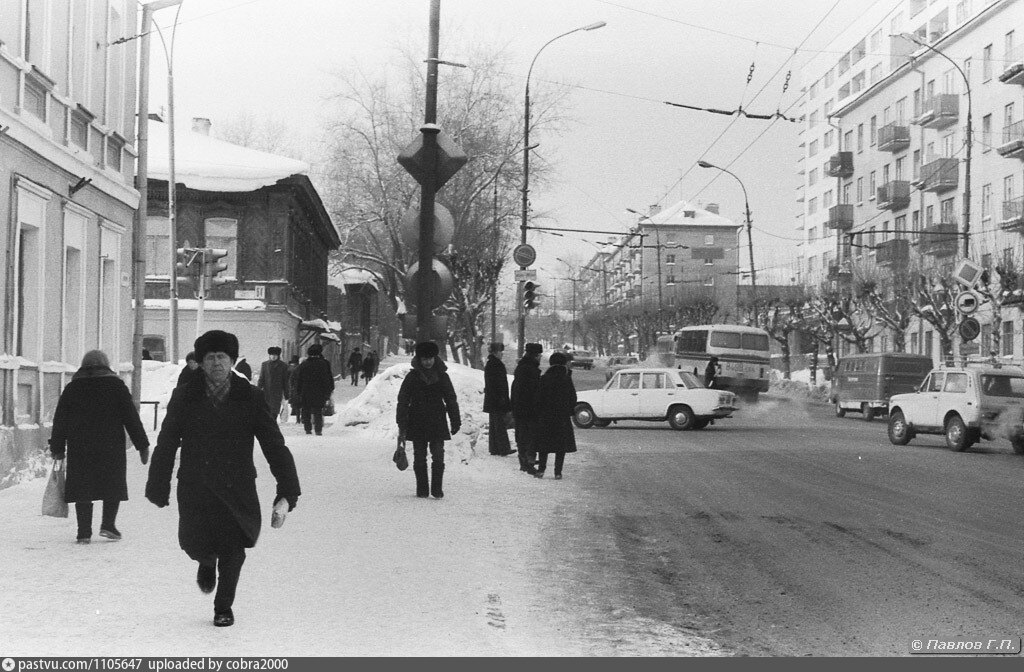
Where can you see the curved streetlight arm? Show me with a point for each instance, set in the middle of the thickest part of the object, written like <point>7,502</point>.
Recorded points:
<point>908,36</point>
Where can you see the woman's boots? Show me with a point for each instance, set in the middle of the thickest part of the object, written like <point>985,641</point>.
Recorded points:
<point>422,486</point>
<point>436,479</point>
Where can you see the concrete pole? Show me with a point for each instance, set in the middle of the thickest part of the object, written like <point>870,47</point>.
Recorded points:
<point>424,289</point>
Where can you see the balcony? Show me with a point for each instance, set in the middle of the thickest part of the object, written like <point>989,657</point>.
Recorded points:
<point>893,252</point>
<point>893,138</point>
<point>840,217</point>
<point>939,111</point>
<point>940,175</point>
<point>839,273</point>
<point>1013,215</point>
<point>1013,72</point>
<point>893,195</point>
<point>939,240</point>
<point>840,164</point>
<point>1012,146</point>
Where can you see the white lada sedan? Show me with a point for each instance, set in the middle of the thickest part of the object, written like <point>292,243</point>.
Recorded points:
<point>653,394</point>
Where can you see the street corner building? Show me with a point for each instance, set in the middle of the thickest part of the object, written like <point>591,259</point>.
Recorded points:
<point>67,164</point>
<point>264,211</point>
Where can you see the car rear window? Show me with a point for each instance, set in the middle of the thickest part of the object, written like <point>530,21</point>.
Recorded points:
<point>1002,386</point>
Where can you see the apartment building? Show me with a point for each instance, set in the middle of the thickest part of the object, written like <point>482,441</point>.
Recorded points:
<point>67,165</point>
<point>886,146</point>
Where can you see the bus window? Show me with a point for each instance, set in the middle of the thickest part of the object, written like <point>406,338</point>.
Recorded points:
<point>726,339</point>
<point>755,342</point>
<point>693,341</point>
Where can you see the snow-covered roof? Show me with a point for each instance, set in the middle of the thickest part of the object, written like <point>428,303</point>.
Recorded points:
<point>208,164</point>
<point>685,213</point>
<point>354,276</point>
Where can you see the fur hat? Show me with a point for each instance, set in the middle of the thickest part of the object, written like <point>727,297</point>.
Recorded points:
<point>426,349</point>
<point>534,348</point>
<point>558,359</point>
<point>274,350</point>
<point>315,350</point>
<point>216,341</point>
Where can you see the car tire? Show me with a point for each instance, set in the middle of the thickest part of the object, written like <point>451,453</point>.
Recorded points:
<point>840,411</point>
<point>601,422</point>
<point>958,438</point>
<point>899,431</point>
<point>681,417</point>
<point>583,416</point>
<point>868,411</point>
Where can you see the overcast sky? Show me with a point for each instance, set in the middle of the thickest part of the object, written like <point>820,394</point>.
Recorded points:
<point>627,148</point>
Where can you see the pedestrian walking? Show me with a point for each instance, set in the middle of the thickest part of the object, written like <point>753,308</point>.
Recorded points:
<point>191,366</point>
<point>711,372</point>
<point>497,404</point>
<point>293,393</point>
<point>314,384</point>
<point>557,401</point>
<point>273,380</point>
<point>215,419</point>
<point>426,396</point>
<point>525,406</point>
<point>376,363</point>
<point>89,424</point>
<point>243,368</point>
<point>368,367</point>
<point>355,366</point>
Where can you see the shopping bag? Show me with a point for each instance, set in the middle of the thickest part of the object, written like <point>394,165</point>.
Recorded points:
<point>53,497</point>
<point>329,408</point>
<point>400,458</point>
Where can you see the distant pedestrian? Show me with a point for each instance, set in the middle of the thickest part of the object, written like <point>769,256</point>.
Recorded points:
<point>215,418</point>
<point>89,424</point>
<point>426,396</point>
<point>497,404</point>
<point>293,394</point>
<point>376,363</point>
<point>557,402</point>
<point>368,367</point>
<point>525,406</point>
<point>273,380</point>
<point>191,367</point>
<point>711,372</point>
<point>314,384</point>
<point>355,366</point>
<point>146,355</point>
<point>242,367</point>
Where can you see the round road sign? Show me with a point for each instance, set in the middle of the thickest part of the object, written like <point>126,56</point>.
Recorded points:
<point>524,254</point>
<point>966,302</point>
<point>969,329</point>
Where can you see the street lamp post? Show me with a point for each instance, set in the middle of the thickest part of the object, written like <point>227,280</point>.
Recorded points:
<point>750,238</point>
<point>526,175</point>
<point>969,142</point>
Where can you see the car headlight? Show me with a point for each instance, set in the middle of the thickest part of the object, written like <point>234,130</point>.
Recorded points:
<point>725,399</point>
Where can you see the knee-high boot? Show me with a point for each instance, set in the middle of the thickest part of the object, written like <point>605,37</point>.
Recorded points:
<point>422,487</point>
<point>437,480</point>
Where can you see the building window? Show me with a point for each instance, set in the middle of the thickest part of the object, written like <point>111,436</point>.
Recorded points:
<point>860,190</point>
<point>709,280</point>
<point>871,186</point>
<point>1007,188</point>
<point>29,273</point>
<point>709,262</point>
<point>986,201</point>
<point>812,177</point>
<point>986,261</point>
<point>79,130</point>
<point>916,168</point>
<point>109,301</point>
<point>826,141</point>
<point>826,200</point>
<point>158,247</point>
<point>946,210</point>
<point>223,233</point>
<point>114,147</point>
<point>899,169</point>
<point>900,226</point>
<point>1008,257</point>
<point>928,342</point>
<point>915,225</point>
<point>986,63</point>
<point>1007,339</point>
<point>812,234</point>
<point>876,73</point>
<point>874,131</point>
<point>986,339</point>
<point>914,347</point>
<point>986,133</point>
<point>847,141</point>
<point>812,149</point>
<point>670,280</point>
<point>812,206</point>
<point>709,239</point>
<point>34,99</point>
<point>75,282</point>
<point>670,259</point>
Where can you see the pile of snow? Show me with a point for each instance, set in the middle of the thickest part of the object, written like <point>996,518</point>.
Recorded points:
<point>799,385</point>
<point>374,408</point>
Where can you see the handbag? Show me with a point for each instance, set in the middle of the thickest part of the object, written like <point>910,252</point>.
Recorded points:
<point>400,459</point>
<point>329,408</point>
<point>53,497</point>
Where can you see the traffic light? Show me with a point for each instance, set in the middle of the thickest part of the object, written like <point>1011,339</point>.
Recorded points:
<point>212,268</point>
<point>530,295</point>
<point>187,265</point>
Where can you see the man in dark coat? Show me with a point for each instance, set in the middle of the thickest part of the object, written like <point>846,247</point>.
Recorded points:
<point>496,401</point>
<point>92,415</point>
<point>424,399</point>
<point>293,393</point>
<point>557,401</point>
<point>711,372</point>
<point>214,418</point>
<point>273,380</point>
<point>525,406</point>
<point>369,366</point>
<point>314,384</point>
<point>355,365</point>
<point>191,367</point>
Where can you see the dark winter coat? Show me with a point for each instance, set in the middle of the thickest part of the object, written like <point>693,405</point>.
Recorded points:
<point>273,382</point>
<point>355,362</point>
<point>92,415</point>
<point>496,399</point>
<point>187,374</point>
<point>525,388</point>
<point>314,381</point>
<point>369,366</point>
<point>557,401</point>
<point>216,459</point>
<point>243,368</point>
<point>425,397</point>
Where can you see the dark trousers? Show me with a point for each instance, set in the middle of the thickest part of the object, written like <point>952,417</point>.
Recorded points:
<point>542,462</point>
<point>355,377</point>
<point>526,441</point>
<point>229,568</point>
<point>497,435</point>
<point>419,466</point>
<point>83,513</point>
<point>313,418</point>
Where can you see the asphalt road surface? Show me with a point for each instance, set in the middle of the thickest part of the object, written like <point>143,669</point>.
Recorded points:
<point>786,531</point>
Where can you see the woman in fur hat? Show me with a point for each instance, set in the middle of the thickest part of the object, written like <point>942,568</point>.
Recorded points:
<point>424,399</point>
<point>92,415</point>
<point>557,399</point>
<point>214,418</point>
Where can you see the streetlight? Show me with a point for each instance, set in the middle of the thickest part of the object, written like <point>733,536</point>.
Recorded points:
<point>969,141</point>
<point>573,281</point>
<point>526,173</point>
<point>750,238</point>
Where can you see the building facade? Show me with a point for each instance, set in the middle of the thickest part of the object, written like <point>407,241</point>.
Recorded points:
<point>67,163</point>
<point>883,179</point>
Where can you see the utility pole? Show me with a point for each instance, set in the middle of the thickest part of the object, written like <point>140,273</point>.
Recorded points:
<point>428,190</point>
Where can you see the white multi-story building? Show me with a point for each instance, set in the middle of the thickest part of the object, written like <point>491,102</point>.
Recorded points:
<point>886,146</point>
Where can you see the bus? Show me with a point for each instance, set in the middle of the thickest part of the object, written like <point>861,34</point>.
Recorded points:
<point>742,355</point>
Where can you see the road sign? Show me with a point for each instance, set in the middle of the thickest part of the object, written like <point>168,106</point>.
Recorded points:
<point>449,160</point>
<point>967,273</point>
<point>440,279</point>
<point>966,302</point>
<point>524,254</point>
<point>444,228</point>
<point>524,274</point>
<point>969,329</point>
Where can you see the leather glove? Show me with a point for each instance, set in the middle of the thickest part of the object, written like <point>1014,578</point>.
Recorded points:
<point>144,454</point>
<point>292,501</point>
<point>456,427</point>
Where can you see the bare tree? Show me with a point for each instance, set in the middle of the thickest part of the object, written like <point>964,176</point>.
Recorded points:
<point>265,133</point>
